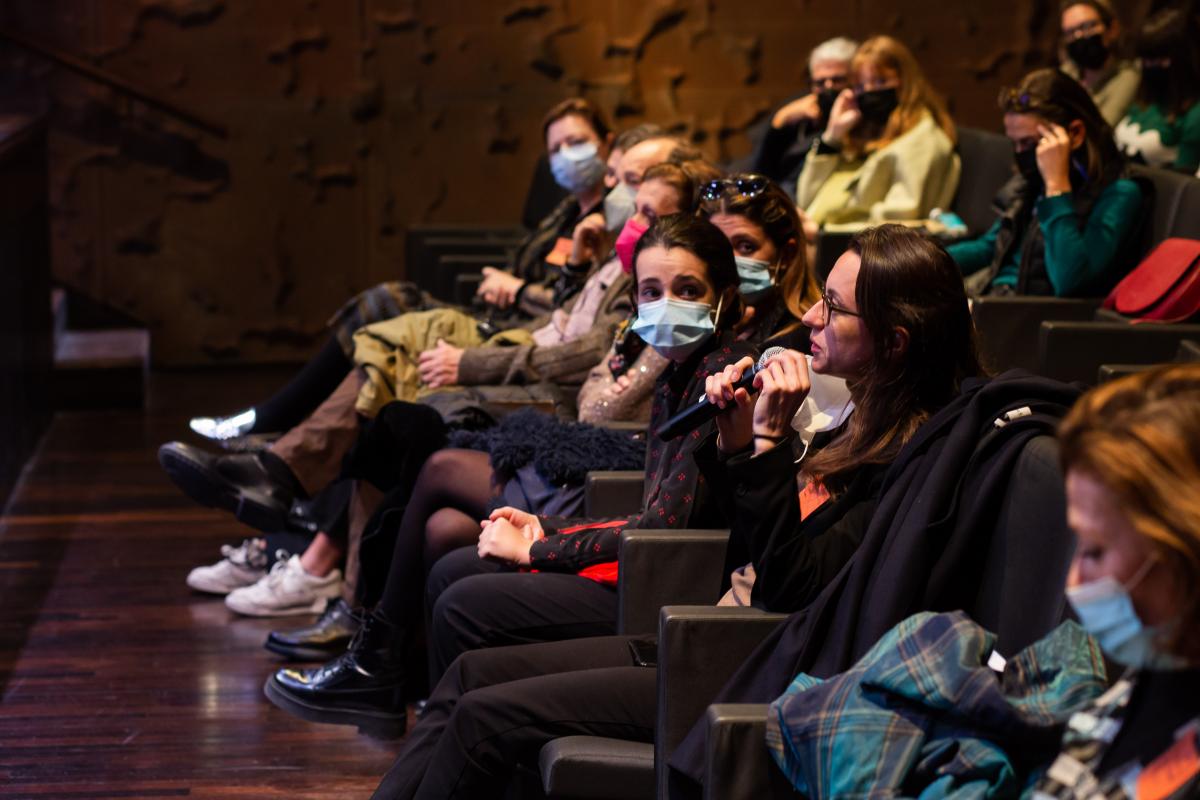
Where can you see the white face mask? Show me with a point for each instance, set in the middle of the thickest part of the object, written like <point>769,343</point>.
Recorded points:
<point>827,406</point>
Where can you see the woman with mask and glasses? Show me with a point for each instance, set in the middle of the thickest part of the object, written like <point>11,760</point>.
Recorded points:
<point>887,151</point>
<point>495,708</point>
<point>776,281</point>
<point>1069,214</point>
<point>1128,450</point>
<point>1090,36</point>
<point>1162,128</point>
<point>686,290</point>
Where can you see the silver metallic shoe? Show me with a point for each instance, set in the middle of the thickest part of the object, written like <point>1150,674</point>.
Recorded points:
<point>218,429</point>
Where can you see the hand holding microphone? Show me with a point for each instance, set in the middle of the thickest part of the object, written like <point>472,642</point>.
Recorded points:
<point>782,380</point>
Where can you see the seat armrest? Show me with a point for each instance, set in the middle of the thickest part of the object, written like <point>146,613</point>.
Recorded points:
<point>668,567</point>
<point>699,649</point>
<point>613,493</point>
<point>1074,351</point>
<point>625,425</point>
<point>582,767</point>
<point>737,763</point>
<point>1008,326</point>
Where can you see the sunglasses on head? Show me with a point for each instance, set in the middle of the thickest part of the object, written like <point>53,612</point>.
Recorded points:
<point>738,185</point>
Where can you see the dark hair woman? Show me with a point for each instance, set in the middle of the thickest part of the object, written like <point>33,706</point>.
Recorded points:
<point>1069,219</point>
<point>1090,48</point>
<point>497,707</point>
<point>1162,128</point>
<point>686,289</point>
<point>764,228</point>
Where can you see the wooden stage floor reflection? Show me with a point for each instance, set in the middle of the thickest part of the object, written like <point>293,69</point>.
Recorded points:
<point>115,679</point>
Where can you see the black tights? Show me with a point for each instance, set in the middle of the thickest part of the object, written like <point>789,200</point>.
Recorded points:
<point>300,396</point>
<point>449,499</point>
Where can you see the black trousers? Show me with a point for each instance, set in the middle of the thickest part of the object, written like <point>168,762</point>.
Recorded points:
<point>495,709</point>
<point>476,603</point>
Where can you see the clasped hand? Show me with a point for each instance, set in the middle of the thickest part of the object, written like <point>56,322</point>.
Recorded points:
<point>508,534</point>
<point>439,366</point>
<point>782,386</point>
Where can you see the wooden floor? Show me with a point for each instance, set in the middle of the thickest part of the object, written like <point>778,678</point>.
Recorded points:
<point>115,679</point>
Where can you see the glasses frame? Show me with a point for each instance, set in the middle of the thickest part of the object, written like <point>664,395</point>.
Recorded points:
<point>743,185</point>
<point>829,308</point>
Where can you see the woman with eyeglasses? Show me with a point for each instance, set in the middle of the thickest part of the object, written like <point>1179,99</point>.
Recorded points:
<point>1091,34</point>
<point>897,327</point>
<point>1162,128</point>
<point>1069,213</point>
<point>887,151</point>
<point>686,289</point>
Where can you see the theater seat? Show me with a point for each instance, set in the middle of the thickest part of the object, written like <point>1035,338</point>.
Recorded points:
<point>987,164</point>
<point>1020,598</point>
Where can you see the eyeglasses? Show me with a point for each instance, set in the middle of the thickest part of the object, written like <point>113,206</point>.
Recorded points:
<point>738,185</point>
<point>1012,101</point>
<point>1082,29</point>
<point>828,307</point>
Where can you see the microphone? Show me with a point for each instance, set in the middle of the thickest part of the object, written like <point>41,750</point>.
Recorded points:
<point>694,416</point>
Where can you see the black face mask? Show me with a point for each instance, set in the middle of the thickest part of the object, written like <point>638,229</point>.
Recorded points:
<point>1027,165</point>
<point>1089,52</point>
<point>877,105</point>
<point>825,101</point>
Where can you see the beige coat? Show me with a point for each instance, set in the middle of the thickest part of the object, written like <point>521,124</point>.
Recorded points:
<point>907,179</point>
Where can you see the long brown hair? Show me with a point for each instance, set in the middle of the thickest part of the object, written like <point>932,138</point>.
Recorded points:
<point>915,95</point>
<point>1140,438</point>
<point>909,281</point>
<point>1055,96</point>
<point>775,212</point>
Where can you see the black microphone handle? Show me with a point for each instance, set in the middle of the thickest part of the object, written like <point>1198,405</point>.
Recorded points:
<point>696,415</point>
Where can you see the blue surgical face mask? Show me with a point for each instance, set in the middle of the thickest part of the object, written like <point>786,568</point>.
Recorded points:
<point>619,206</point>
<point>755,275</point>
<point>674,328</point>
<point>1106,611</point>
<point>577,167</point>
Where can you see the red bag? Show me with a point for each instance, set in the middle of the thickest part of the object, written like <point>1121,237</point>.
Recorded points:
<point>1165,287</point>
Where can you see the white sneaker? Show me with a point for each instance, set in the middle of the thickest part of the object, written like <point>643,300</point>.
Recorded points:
<point>221,428</point>
<point>284,591</point>
<point>243,565</point>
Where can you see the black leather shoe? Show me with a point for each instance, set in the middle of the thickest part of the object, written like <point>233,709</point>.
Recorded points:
<point>324,640</point>
<point>363,687</point>
<point>237,483</point>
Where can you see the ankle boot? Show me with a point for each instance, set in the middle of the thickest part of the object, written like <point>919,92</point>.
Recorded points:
<point>250,486</point>
<point>328,637</point>
<point>364,686</point>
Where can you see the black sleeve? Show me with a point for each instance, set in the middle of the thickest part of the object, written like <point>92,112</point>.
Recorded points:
<point>793,559</point>
<point>773,147</point>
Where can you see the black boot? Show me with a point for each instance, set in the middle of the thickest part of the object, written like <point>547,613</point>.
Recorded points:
<point>324,640</point>
<point>258,493</point>
<point>364,686</point>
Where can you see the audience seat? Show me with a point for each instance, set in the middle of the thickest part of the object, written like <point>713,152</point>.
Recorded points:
<point>701,646</point>
<point>987,164</point>
<point>1010,327</point>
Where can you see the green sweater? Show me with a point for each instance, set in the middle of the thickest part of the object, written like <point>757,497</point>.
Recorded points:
<point>1160,142</point>
<point>1076,255</point>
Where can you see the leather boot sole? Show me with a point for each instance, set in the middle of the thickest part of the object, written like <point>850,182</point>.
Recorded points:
<point>379,724</point>
<point>203,484</point>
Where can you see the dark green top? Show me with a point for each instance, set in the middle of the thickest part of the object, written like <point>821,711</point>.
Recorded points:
<point>1076,255</point>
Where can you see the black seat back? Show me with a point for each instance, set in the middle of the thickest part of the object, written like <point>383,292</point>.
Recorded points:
<point>987,164</point>
<point>1021,594</point>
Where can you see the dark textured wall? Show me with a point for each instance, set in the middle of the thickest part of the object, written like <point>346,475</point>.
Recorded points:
<point>350,119</point>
